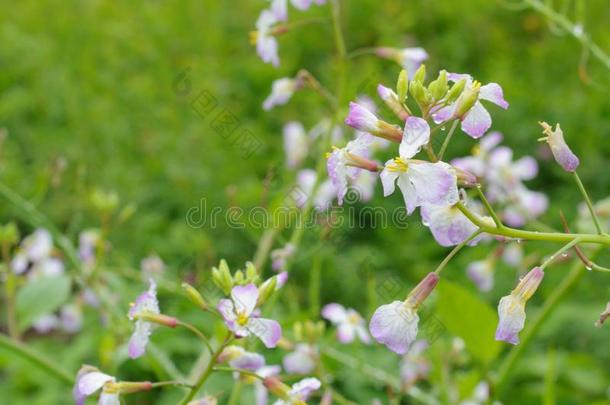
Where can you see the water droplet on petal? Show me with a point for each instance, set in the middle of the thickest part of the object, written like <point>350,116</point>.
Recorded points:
<point>589,268</point>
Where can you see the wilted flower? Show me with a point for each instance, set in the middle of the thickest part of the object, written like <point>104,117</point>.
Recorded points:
<point>296,144</point>
<point>302,360</point>
<point>238,315</point>
<point>395,325</point>
<point>146,314</point>
<point>349,323</point>
<point>605,314</point>
<point>281,92</point>
<point>511,308</point>
<point>468,109</point>
<point>414,366</point>
<point>409,58</point>
<point>560,149</point>
<point>295,395</point>
<point>420,182</point>
<point>344,164</point>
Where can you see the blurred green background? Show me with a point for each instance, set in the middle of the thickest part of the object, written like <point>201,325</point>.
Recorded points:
<point>92,96</point>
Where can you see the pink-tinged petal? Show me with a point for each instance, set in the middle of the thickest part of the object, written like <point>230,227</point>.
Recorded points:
<point>139,339</point>
<point>303,389</point>
<point>301,361</point>
<point>92,382</point>
<point>481,273</point>
<point>267,330</point>
<point>261,395</point>
<point>560,149</point>
<point>267,50</point>
<point>363,334</point>
<point>227,310</point>
<point>346,333</point>
<point>244,297</point>
<point>301,4</point>
<point>434,183</point>
<point>279,9</point>
<point>525,168</point>
<point>409,193</point>
<point>268,371</point>
<point>394,325</point>
<point>248,361</point>
<point>477,121</point>
<point>335,313</point>
<point>470,164</point>
<point>360,118</point>
<point>411,59</point>
<point>447,224</point>
<point>511,311</point>
<point>416,134</point>
<point>456,77</point>
<point>493,92</point>
<point>490,141</point>
<point>388,179</point>
<point>443,114</point>
<point>109,398</point>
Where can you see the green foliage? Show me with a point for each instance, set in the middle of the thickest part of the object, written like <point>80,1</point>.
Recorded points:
<point>39,297</point>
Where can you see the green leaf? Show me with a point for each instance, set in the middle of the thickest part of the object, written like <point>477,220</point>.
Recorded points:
<point>467,316</point>
<point>40,297</point>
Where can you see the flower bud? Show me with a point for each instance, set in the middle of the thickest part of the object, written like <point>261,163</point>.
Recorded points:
<point>392,100</point>
<point>467,100</point>
<point>455,91</point>
<point>529,284</point>
<point>419,93</point>
<point>439,87</point>
<point>194,296</point>
<point>560,149</point>
<point>402,86</point>
<point>222,277</point>
<point>251,273</point>
<point>420,74</point>
<point>465,178</point>
<point>363,120</point>
<point>422,290</point>
<point>265,290</point>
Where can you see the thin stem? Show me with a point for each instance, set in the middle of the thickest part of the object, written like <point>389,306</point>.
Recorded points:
<point>206,373</point>
<point>315,85</point>
<point>558,294</point>
<point>37,359</point>
<point>198,333</point>
<point>169,383</point>
<point>447,139</point>
<point>488,207</point>
<point>9,294</point>
<point>566,247</point>
<point>240,371</point>
<point>528,235</point>
<point>367,50</point>
<point>585,195</point>
<point>455,250</point>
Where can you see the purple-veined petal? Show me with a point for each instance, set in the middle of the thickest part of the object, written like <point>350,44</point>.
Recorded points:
<point>434,183</point>
<point>447,224</point>
<point>477,121</point>
<point>267,330</point>
<point>360,118</point>
<point>408,193</point>
<point>443,114</point>
<point>394,325</point>
<point>416,134</point>
<point>493,92</point>
<point>139,338</point>
<point>244,298</point>
<point>248,361</point>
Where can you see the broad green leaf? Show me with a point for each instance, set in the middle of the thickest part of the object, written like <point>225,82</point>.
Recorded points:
<point>40,297</point>
<point>467,316</point>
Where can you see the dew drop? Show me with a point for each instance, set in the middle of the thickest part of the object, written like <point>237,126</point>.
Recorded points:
<point>564,255</point>
<point>589,268</point>
<point>443,128</point>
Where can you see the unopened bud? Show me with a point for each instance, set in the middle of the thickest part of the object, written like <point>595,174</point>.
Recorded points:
<point>222,277</point>
<point>455,91</point>
<point>251,273</point>
<point>420,74</point>
<point>439,87</point>
<point>194,296</point>
<point>238,277</point>
<point>467,100</point>
<point>266,290</point>
<point>392,100</point>
<point>420,93</point>
<point>402,86</point>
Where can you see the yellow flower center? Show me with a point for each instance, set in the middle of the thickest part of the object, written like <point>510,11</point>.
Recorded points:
<point>399,165</point>
<point>253,37</point>
<point>242,319</point>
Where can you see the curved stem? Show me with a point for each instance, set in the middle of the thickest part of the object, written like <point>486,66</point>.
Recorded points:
<point>558,294</point>
<point>455,250</point>
<point>198,333</point>
<point>447,139</point>
<point>585,195</point>
<point>529,235</point>
<point>38,359</point>
<point>566,247</point>
<point>489,208</point>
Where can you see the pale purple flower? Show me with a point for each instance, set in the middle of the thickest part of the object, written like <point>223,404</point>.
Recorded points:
<point>344,164</point>
<point>305,4</point>
<point>239,318</point>
<point>511,309</point>
<point>414,366</point>
<point>71,318</point>
<point>302,360</point>
<point>279,257</point>
<point>324,196</point>
<point>395,325</point>
<point>300,392</point>
<point>448,225</point>
<point>481,272</point>
<point>239,358</point>
<point>362,119</point>
<point>523,206</point>
<point>45,323</point>
<point>478,163</point>
<point>38,245</point>
<point>409,58</point>
<point>349,323</point>
<point>88,241</point>
<point>420,182</point>
<point>560,149</point>
<point>281,91</point>
<point>266,43</point>
<point>90,380</point>
<point>279,8</point>
<point>476,121</point>
<point>296,144</point>
<point>146,303</point>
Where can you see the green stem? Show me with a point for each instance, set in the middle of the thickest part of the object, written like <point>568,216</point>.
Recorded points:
<point>447,139</point>
<point>585,195</point>
<point>558,294</point>
<point>528,235</point>
<point>235,393</point>
<point>207,372</point>
<point>9,294</point>
<point>198,333</point>
<point>489,208</point>
<point>455,250</point>
<point>170,383</point>
<point>314,286</point>
<point>38,359</point>
<point>240,371</point>
<point>566,247</point>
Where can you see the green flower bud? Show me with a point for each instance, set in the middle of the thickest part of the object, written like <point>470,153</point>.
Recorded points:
<point>266,290</point>
<point>420,93</point>
<point>420,74</point>
<point>439,87</point>
<point>222,277</point>
<point>239,277</point>
<point>9,234</point>
<point>468,98</point>
<point>104,201</point>
<point>251,273</point>
<point>456,90</point>
<point>194,296</point>
<point>402,86</point>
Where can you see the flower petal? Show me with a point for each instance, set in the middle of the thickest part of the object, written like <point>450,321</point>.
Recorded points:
<point>447,224</point>
<point>388,179</point>
<point>416,134</point>
<point>91,382</point>
<point>493,92</point>
<point>334,312</point>
<point>394,325</point>
<point>477,121</point>
<point>244,297</point>
<point>434,183</point>
<point>305,387</point>
<point>511,311</point>
<point>267,330</point>
<point>346,332</point>
<point>248,361</point>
